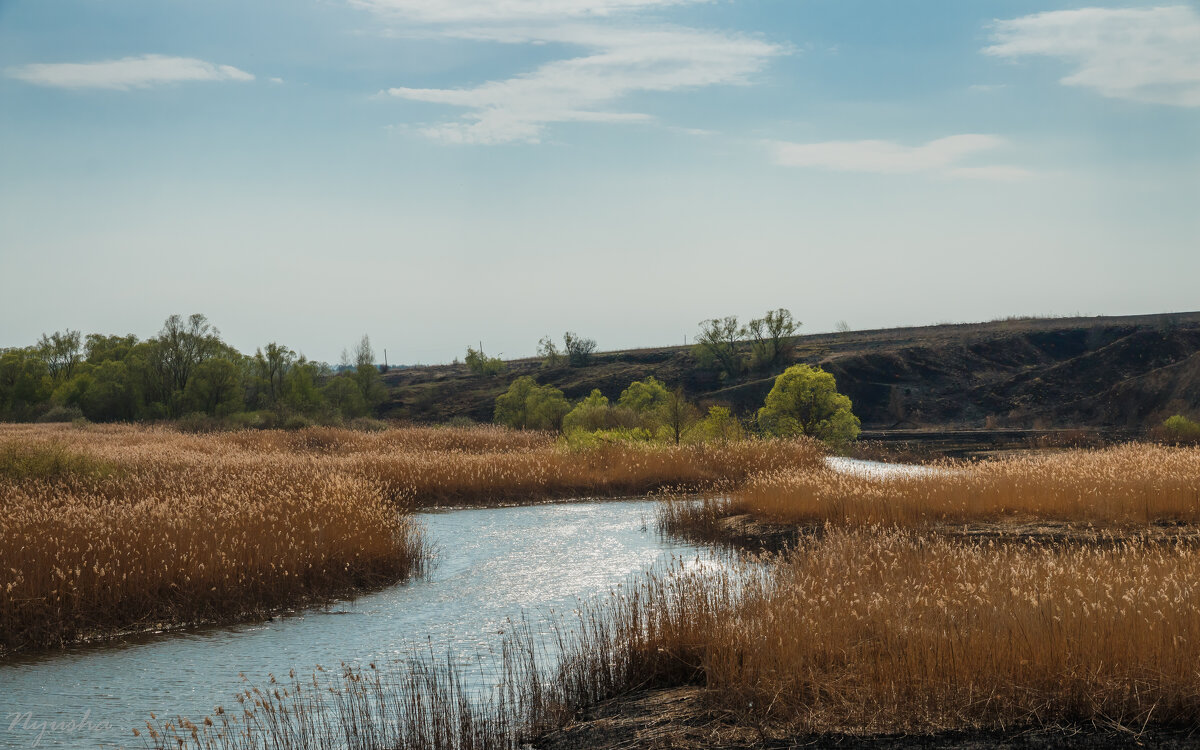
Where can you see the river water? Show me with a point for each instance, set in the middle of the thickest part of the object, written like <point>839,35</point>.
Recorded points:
<point>492,566</point>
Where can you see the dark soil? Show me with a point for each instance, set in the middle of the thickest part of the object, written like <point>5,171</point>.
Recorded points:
<point>677,718</point>
<point>1102,375</point>
<point>746,532</point>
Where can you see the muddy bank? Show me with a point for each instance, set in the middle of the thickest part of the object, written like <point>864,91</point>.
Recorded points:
<point>676,718</point>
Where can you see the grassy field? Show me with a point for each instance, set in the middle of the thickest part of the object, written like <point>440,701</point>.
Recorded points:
<point>110,529</point>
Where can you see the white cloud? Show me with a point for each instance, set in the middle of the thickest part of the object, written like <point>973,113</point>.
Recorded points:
<point>126,73</point>
<point>621,61</point>
<point>486,11</point>
<point>941,156</point>
<point>1141,54</point>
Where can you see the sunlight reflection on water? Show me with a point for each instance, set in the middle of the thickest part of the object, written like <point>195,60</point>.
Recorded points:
<point>493,564</point>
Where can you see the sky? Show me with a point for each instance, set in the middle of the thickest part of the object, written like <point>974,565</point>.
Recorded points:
<point>439,173</point>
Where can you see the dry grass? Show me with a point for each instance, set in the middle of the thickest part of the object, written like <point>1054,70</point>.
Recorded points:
<point>115,528</point>
<point>861,631</point>
<point>875,630</point>
<point>1126,485</point>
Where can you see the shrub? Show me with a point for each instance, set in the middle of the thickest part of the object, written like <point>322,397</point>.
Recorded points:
<point>61,414</point>
<point>527,405</point>
<point>1180,429</point>
<point>481,364</point>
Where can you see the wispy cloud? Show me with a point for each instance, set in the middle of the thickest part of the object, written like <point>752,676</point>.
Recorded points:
<point>621,61</point>
<point>941,157</point>
<point>617,57</point>
<point>476,11</point>
<point>1142,54</point>
<point>126,73</point>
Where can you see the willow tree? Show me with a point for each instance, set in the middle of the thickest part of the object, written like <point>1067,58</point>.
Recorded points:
<point>805,401</point>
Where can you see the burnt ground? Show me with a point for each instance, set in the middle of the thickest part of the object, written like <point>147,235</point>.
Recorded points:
<point>677,718</point>
<point>1112,375</point>
<point>743,531</point>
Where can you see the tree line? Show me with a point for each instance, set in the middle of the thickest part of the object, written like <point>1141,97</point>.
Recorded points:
<point>186,370</point>
<point>803,401</point>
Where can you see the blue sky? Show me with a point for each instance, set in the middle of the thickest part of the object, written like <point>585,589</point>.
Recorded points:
<point>438,173</point>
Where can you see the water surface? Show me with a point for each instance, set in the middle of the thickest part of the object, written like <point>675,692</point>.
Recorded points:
<point>492,565</point>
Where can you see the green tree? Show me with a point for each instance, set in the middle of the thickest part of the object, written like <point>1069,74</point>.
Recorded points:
<point>215,387</point>
<point>100,348</point>
<point>481,364</point>
<point>805,401</point>
<point>644,396</point>
<point>366,374</point>
<point>113,394</point>
<point>648,400</point>
<point>771,337</point>
<point>527,405</point>
<point>24,383</point>
<point>717,345</point>
<point>303,395</point>
<point>271,367</point>
<point>343,394</point>
<point>719,425</point>
<point>590,414</point>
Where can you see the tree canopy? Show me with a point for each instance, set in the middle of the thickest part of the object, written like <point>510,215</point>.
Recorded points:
<point>805,401</point>
<point>529,406</point>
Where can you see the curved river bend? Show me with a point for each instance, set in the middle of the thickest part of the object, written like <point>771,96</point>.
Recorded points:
<point>492,565</point>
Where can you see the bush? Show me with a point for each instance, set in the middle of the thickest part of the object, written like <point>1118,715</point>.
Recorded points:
<point>481,364</point>
<point>297,422</point>
<point>367,424</point>
<point>61,414</point>
<point>199,422</point>
<point>1179,429</point>
<point>527,405</point>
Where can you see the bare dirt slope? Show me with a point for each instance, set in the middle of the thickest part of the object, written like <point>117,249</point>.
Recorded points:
<point>1103,372</point>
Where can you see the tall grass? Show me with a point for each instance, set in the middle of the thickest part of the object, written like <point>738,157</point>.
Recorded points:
<point>1125,485</point>
<point>116,528</point>
<point>861,630</point>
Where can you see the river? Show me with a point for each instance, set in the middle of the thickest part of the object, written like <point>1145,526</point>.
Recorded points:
<point>492,565</point>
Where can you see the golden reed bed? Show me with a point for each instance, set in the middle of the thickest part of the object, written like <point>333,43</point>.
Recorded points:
<point>1125,486</point>
<point>115,528</point>
<point>862,631</point>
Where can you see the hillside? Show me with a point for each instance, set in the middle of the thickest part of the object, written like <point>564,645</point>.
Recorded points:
<point>1102,372</point>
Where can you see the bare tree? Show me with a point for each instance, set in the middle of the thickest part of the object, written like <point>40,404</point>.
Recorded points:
<point>363,353</point>
<point>273,367</point>
<point>549,353</point>
<point>61,352</point>
<point>185,344</point>
<point>771,337</point>
<point>717,344</point>
<point>579,349</point>
<point>678,414</point>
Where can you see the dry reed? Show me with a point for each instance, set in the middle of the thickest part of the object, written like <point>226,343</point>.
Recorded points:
<point>115,528</point>
<point>863,630</point>
<point>1128,485</point>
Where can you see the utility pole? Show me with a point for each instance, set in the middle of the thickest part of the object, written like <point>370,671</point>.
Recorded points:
<point>385,364</point>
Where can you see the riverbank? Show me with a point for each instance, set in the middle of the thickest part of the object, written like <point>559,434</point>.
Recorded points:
<point>678,718</point>
<point>1080,495</point>
<point>112,530</point>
